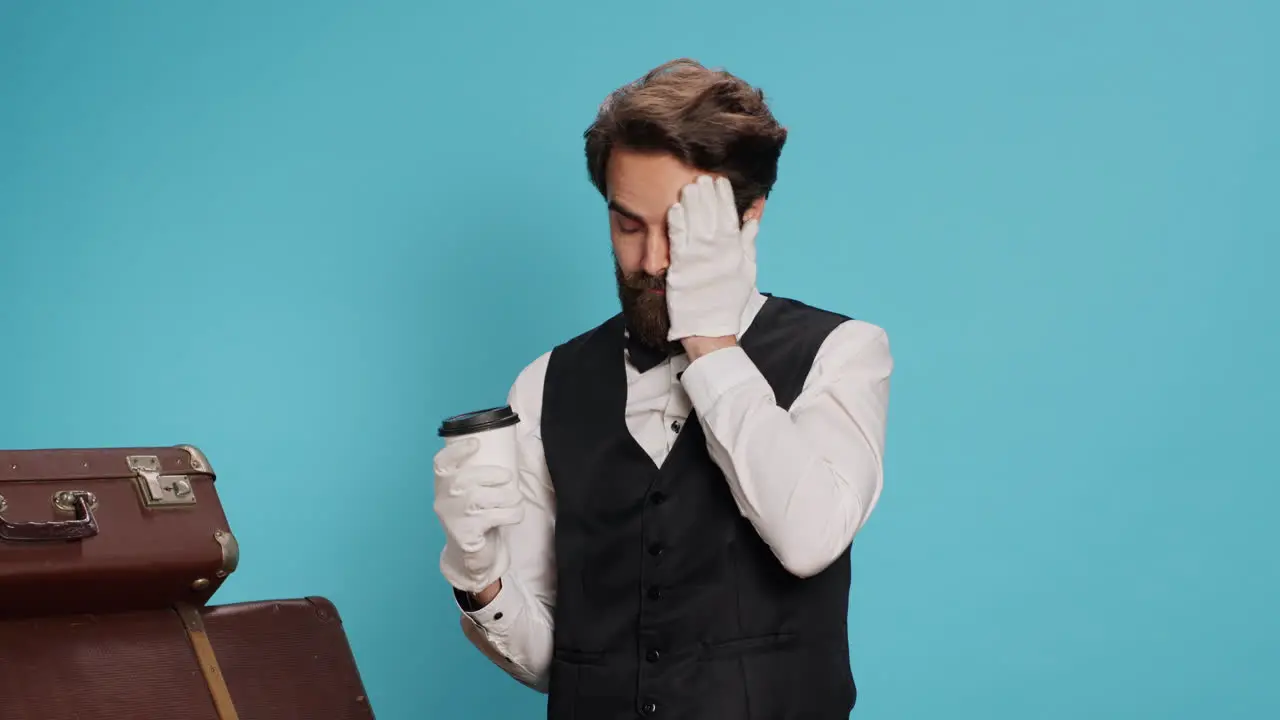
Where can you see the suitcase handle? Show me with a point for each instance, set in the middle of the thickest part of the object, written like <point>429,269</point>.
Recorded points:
<point>84,526</point>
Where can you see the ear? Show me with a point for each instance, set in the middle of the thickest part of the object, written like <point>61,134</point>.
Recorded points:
<point>755,211</point>
<point>751,227</point>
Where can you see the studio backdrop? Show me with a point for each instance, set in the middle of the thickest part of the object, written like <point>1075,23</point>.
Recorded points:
<point>297,234</point>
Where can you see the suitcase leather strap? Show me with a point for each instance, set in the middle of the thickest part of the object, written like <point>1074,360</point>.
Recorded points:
<point>208,661</point>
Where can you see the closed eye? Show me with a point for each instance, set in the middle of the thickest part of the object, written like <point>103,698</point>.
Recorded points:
<point>628,227</point>
<point>627,221</point>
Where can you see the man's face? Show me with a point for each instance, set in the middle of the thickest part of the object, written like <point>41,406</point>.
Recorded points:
<point>642,186</point>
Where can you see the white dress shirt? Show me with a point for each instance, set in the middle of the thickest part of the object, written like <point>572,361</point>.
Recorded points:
<point>806,479</point>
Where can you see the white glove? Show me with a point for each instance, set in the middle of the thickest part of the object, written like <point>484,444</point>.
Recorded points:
<point>472,504</point>
<point>713,269</point>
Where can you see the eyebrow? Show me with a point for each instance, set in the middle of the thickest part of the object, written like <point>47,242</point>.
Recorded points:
<point>624,212</point>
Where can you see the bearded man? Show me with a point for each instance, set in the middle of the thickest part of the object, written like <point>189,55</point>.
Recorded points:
<point>675,540</point>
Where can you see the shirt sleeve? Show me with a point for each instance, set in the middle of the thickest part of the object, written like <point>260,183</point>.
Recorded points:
<point>515,629</point>
<point>807,478</point>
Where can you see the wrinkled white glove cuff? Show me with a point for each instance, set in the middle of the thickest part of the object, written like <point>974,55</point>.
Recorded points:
<point>473,572</point>
<point>701,320</point>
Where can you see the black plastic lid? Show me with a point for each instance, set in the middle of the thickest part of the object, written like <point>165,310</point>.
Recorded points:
<point>479,421</point>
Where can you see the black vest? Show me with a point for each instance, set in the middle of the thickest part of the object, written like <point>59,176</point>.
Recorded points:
<point>669,605</point>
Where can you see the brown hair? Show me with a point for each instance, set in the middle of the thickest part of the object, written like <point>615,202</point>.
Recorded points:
<point>709,119</point>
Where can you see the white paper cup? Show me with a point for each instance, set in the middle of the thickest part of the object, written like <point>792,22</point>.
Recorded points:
<point>494,429</point>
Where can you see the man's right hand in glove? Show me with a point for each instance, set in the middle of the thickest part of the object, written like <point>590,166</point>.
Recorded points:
<point>473,502</point>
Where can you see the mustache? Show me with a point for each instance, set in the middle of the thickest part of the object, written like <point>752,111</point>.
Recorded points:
<point>640,281</point>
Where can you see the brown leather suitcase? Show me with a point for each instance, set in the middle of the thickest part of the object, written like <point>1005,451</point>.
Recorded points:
<point>110,529</point>
<point>279,660</point>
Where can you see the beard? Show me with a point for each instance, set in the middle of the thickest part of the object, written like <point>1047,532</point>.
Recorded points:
<point>644,310</point>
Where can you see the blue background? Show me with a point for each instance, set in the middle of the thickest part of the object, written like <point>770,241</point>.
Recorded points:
<point>297,234</point>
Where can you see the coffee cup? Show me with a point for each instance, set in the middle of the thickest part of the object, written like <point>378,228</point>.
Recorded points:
<point>493,428</point>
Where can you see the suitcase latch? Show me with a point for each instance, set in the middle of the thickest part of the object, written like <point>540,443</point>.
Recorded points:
<point>158,489</point>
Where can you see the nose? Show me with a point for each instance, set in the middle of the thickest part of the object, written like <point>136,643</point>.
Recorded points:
<point>656,257</point>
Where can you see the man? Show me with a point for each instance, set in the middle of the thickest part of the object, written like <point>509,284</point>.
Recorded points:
<point>692,472</point>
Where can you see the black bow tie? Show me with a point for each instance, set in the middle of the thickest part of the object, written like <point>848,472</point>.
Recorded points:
<point>644,358</point>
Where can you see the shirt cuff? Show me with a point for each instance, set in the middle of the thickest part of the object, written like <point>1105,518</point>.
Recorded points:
<point>713,375</point>
<point>499,614</point>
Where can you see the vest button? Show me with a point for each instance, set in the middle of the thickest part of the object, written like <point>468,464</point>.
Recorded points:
<point>653,656</point>
<point>655,593</point>
<point>657,498</point>
<point>656,549</point>
<point>649,708</point>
